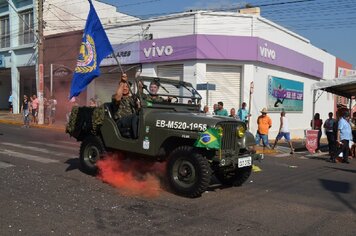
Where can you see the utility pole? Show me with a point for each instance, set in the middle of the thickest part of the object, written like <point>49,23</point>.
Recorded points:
<point>40,82</point>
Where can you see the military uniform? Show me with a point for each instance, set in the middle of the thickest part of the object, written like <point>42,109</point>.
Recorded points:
<point>149,98</point>
<point>125,107</point>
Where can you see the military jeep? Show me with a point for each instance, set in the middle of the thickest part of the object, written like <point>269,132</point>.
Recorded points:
<point>173,129</point>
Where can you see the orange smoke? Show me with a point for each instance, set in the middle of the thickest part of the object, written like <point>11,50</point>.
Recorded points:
<point>132,177</point>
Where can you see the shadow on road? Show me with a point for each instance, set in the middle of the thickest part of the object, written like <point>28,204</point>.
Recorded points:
<point>337,188</point>
<point>73,164</point>
<point>342,169</point>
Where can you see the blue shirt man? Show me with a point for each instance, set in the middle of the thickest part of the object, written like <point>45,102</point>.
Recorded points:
<point>344,135</point>
<point>243,112</point>
<point>344,128</point>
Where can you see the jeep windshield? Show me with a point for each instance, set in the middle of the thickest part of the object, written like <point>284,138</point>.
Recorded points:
<point>164,90</point>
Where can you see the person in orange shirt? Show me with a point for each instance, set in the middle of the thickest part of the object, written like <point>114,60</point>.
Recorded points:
<point>264,123</point>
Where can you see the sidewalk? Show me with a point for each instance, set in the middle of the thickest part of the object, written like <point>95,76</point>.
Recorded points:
<point>17,119</point>
<point>298,145</point>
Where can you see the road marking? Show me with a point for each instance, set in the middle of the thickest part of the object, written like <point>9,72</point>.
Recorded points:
<point>73,143</point>
<point>317,154</point>
<point>57,146</point>
<point>37,149</point>
<point>4,165</point>
<point>28,156</point>
<point>282,155</point>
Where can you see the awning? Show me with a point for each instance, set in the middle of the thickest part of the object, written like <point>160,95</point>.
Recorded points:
<point>342,86</point>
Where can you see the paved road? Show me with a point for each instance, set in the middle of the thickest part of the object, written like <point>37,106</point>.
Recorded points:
<point>43,193</point>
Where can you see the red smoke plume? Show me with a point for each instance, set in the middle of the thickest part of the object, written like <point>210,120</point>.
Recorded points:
<point>132,177</point>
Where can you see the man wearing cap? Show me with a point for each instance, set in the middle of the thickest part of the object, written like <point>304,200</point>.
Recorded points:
<point>344,135</point>
<point>264,123</point>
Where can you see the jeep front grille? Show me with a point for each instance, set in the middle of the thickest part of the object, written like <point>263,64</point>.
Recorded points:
<point>229,139</point>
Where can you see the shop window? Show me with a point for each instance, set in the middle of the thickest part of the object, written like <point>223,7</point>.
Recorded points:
<point>26,34</point>
<point>4,32</point>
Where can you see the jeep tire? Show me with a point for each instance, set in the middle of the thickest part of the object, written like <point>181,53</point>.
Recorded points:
<point>91,150</point>
<point>234,178</point>
<point>188,172</point>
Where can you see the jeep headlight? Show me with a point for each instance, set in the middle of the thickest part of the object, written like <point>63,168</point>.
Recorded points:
<point>240,131</point>
<point>220,130</point>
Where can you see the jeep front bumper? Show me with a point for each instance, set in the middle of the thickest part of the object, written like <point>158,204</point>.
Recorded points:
<point>238,161</point>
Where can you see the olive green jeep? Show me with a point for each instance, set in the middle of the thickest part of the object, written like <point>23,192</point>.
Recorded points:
<point>172,129</point>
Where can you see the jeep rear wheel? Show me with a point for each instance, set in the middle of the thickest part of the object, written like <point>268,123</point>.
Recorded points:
<point>91,150</point>
<point>189,173</point>
<point>234,178</point>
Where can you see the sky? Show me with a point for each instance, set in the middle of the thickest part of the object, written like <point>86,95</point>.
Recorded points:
<point>328,24</point>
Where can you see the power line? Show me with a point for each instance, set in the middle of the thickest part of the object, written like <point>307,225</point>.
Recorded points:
<point>138,3</point>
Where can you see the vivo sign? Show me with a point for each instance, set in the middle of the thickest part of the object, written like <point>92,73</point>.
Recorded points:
<point>267,52</point>
<point>158,51</point>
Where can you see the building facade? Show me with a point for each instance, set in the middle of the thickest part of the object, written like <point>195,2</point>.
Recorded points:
<point>17,50</point>
<point>19,39</point>
<point>231,51</point>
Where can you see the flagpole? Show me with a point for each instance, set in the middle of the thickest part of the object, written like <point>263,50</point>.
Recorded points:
<point>118,62</point>
<point>122,71</point>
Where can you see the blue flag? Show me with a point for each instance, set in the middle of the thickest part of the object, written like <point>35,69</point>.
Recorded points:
<point>94,48</point>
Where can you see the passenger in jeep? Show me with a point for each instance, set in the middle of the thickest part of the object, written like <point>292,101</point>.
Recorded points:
<point>124,109</point>
<point>153,97</point>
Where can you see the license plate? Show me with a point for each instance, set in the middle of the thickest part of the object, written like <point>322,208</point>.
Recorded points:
<point>244,161</point>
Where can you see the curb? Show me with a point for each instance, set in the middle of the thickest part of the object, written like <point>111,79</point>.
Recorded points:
<point>266,151</point>
<point>18,123</point>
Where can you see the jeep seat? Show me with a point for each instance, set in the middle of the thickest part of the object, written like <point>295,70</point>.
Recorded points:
<point>128,126</point>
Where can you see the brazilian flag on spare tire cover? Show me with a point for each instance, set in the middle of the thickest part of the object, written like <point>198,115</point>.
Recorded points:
<point>209,139</point>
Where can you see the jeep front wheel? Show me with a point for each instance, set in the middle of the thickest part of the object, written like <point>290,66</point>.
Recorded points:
<point>189,173</point>
<point>234,178</point>
<point>91,150</point>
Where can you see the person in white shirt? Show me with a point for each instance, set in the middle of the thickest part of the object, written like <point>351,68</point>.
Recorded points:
<point>284,132</point>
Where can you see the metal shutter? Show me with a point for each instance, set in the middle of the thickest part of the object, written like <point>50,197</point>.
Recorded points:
<point>227,80</point>
<point>171,71</point>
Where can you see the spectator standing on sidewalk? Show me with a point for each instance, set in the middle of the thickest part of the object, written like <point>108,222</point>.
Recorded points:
<point>53,104</point>
<point>284,132</point>
<point>34,105</point>
<point>215,108</point>
<point>243,113</point>
<point>25,110</point>
<point>264,123</point>
<point>317,126</point>
<point>233,114</point>
<point>343,137</point>
<point>330,132</point>
<point>206,110</point>
<point>10,102</point>
<point>221,111</point>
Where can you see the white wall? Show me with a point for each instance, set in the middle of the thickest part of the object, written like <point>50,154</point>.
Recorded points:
<point>222,24</point>
<point>63,16</point>
<point>298,121</point>
<point>158,28</point>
